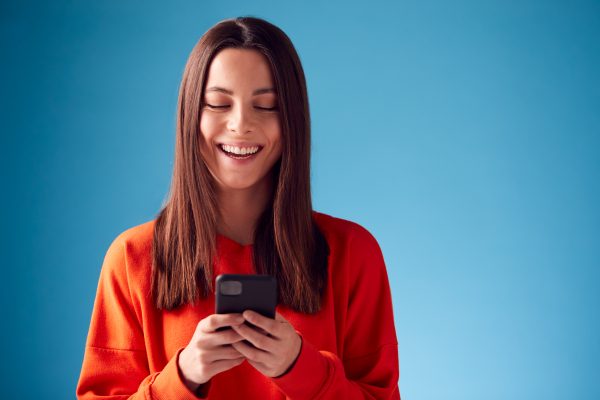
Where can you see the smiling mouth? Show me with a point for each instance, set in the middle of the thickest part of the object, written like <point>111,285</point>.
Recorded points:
<point>239,153</point>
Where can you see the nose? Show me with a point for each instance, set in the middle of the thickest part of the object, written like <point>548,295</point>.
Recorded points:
<point>240,120</point>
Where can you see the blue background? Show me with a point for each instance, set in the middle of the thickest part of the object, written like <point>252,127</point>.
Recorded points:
<point>464,135</point>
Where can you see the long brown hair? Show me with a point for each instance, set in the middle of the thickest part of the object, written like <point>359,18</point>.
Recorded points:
<point>287,241</point>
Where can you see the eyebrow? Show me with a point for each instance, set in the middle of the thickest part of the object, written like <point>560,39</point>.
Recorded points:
<point>230,92</point>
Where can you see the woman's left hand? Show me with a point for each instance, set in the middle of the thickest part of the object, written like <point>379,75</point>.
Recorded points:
<point>275,350</point>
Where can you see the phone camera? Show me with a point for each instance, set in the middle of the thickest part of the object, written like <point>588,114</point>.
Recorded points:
<point>231,288</point>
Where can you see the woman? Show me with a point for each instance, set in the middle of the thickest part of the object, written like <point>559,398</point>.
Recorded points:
<point>240,202</point>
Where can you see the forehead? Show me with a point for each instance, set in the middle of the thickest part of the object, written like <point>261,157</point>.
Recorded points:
<point>243,68</point>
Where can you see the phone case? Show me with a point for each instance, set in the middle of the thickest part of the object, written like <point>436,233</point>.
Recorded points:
<point>237,293</point>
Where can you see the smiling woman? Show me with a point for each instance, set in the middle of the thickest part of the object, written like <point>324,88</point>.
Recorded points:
<point>240,203</point>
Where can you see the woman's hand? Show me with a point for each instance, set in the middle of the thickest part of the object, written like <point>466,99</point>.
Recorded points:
<point>210,352</point>
<point>275,349</point>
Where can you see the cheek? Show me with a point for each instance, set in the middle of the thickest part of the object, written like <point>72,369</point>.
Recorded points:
<point>274,134</point>
<point>277,147</point>
<point>208,131</point>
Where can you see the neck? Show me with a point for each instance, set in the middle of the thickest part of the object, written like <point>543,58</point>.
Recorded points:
<point>240,210</point>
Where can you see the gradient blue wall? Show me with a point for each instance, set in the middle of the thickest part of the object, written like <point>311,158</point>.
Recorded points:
<point>464,135</point>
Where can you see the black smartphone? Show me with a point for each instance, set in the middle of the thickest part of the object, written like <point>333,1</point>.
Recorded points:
<point>238,293</point>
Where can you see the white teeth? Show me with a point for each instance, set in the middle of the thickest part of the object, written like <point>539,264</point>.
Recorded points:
<point>239,150</point>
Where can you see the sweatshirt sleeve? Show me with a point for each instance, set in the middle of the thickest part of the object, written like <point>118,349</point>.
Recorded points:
<point>115,363</point>
<point>369,368</point>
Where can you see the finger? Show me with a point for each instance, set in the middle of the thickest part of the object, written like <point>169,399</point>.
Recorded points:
<point>223,353</point>
<point>215,321</point>
<point>258,365</point>
<point>251,353</point>
<point>258,339</point>
<point>223,365</point>
<point>268,324</point>
<point>221,338</point>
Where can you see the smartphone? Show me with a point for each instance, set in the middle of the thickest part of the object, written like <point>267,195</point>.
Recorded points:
<point>237,293</point>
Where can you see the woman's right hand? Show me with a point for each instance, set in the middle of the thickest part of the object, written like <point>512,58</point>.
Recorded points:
<point>209,352</point>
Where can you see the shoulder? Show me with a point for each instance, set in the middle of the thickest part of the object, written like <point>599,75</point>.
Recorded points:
<point>130,253</point>
<point>356,261</point>
<point>138,237</point>
<point>345,234</point>
<point>351,245</point>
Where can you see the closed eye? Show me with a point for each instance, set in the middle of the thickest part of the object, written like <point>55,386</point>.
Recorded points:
<point>257,107</point>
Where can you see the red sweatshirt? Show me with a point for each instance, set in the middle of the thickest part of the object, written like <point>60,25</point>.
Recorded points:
<point>349,348</point>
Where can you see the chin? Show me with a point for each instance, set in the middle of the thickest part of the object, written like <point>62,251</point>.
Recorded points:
<point>238,184</point>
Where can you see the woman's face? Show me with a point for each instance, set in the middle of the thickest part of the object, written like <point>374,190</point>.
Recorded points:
<point>240,120</point>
